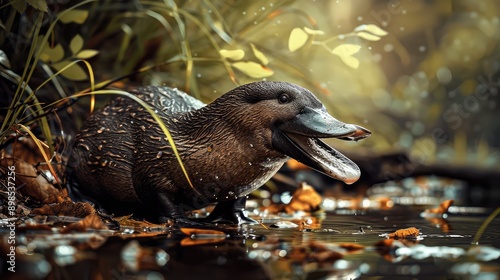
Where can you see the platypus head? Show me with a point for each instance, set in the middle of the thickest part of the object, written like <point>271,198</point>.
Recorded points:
<point>297,119</point>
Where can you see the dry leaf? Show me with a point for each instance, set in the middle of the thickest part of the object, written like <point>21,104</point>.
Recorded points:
<point>297,39</point>
<point>404,233</point>
<point>31,184</point>
<point>66,208</point>
<point>442,208</point>
<point>305,198</point>
<point>92,221</point>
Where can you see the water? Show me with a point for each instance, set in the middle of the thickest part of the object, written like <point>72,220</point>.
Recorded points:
<point>258,252</point>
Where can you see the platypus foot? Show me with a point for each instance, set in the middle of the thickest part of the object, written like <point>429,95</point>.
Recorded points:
<point>230,212</point>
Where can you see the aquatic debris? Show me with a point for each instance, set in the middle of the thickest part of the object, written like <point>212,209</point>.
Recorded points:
<point>403,233</point>
<point>441,209</point>
<point>201,236</point>
<point>92,221</point>
<point>65,208</point>
<point>304,199</point>
<point>285,224</point>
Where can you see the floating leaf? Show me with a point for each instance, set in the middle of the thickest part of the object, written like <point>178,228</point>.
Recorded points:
<point>76,16</point>
<point>368,36</point>
<point>52,54</point>
<point>76,44</point>
<point>313,32</point>
<point>297,39</point>
<point>40,5</point>
<point>232,54</point>
<point>259,55</point>
<point>253,69</point>
<point>74,72</point>
<point>345,53</point>
<point>85,54</point>
<point>372,28</point>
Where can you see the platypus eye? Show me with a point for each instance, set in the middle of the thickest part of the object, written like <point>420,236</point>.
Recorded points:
<point>283,98</point>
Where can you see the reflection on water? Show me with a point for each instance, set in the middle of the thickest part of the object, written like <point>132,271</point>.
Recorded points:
<point>348,244</point>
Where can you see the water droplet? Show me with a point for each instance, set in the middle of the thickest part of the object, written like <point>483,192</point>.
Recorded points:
<point>104,163</point>
<point>244,13</point>
<point>388,47</point>
<point>198,75</point>
<point>422,48</point>
<point>216,177</point>
<point>263,8</point>
<point>201,179</point>
<point>159,154</point>
<point>251,145</point>
<point>131,121</point>
<point>99,147</point>
<point>100,130</point>
<point>360,18</point>
<point>249,163</point>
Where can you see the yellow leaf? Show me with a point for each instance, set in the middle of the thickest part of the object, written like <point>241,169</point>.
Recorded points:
<point>372,28</point>
<point>368,36</point>
<point>346,49</point>
<point>76,44</point>
<point>85,54</point>
<point>253,69</point>
<point>73,72</point>
<point>313,32</point>
<point>259,55</point>
<point>350,61</point>
<point>345,53</point>
<point>297,39</point>
<point>232,54</point>
<point>76,16</point>
<point>52,54</point>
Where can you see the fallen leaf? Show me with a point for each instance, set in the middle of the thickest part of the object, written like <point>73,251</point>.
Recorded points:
<point>92,221</point>
<point>66,208</point>
<point>404,233</point>
<point>442,208</point>
<point>305,198</point>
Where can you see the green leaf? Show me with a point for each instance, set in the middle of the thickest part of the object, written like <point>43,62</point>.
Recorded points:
<point>19,6</point>
<point>297,39</point>
<point>73,72</point>
<point>52,54</point>
<point>313,32</point>
<point>232,54</point>
<point>253,69</point>
<point>372,28</point>
<point>76,16</point>
<point>345,52</point>
<point>76,44</point>
<point>368,36</point>
<point>40,5</point>
<point>259,55</point>
<point>85,54</point>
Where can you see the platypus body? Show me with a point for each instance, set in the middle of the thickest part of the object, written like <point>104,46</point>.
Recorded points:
<point>123,161</point>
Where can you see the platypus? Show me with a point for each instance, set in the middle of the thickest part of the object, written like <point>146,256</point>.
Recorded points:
<point>122,160</point>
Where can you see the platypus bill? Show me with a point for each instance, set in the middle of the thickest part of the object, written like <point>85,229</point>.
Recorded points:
<point>230,147</point>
